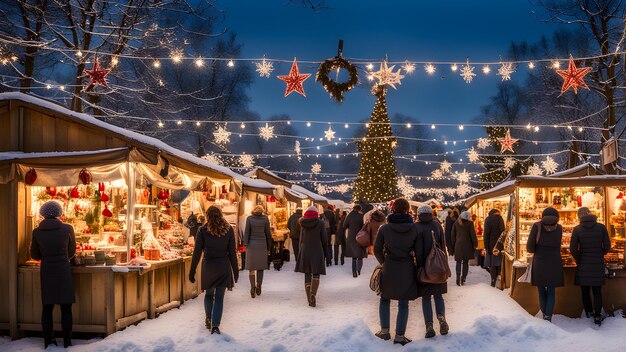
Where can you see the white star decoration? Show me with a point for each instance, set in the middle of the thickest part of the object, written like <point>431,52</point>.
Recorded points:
<point>467,72</point>
<point>264,68</point>
<point>535,170</point>
<point>298,151</point>
<point>549,165</point>
<point>408,67</point>
<point>221,135</point>
<point>445,166</point>
<point>509,163</point>
<point>266,132</point>
<point>329,134</point>
<point>316,168</point>
<point>505,70</point>
<point>472,155</point>
<point>463,177</point>
<point>246,161</point>
<point>386,76</point>
<point>482,143</point>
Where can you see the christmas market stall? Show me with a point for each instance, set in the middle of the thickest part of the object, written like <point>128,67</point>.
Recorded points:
<point>127,197</point>
<point>522,201</point>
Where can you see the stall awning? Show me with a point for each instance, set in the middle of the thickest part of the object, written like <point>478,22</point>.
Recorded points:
<point>294,196</point>
<point>500,190</point>
<point>586,169</point>
<point>264,174</point>
<point>253,185</point>
<point>316,198</point>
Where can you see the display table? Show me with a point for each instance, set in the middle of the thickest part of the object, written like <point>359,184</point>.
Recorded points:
<point>107,300</point>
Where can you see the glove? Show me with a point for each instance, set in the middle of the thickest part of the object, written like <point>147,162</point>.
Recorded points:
<point>192,277</point>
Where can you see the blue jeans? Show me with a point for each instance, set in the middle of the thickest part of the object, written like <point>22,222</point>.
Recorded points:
<point>546,300</point>
<point>427,307</point>
<point>462,268</point>
<point>214,304</point>
<point>402,318</point>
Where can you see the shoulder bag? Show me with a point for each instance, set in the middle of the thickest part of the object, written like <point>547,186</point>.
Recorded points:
<point>375,279</point>
<point>436,269</point>
<point>527,275</point>
<point>363,236</point>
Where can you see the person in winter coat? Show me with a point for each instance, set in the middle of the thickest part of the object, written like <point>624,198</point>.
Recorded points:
<point>590,242</point>
<point>376,220</point>
<point>353,224</point>
<point>313,244</point>
<point>453,216</point>
<point>427,230</point>
<point>215,242</point>
<point>331,229</point>
<point>293,224</point>
<point>547,270</point>
<point>54,244</point>
<point>464,242</point>
<point>395,248</point>
<point>340,240</point>
<point>494,227</point>
<point>257,238</point>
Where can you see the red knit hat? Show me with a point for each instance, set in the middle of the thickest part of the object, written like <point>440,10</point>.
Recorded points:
<point>311,213</point>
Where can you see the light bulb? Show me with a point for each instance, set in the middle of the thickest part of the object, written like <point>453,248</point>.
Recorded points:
<point>454,67</point>
<point>430,69</point>
<point>161,124</point>
<point>243,125</point>
<point>231,63</point>
<point>156,64</point>
<point>461,127</point>
<point>486,69</point>
<point>114,61</point>
<point>370,67</point>
<point>531,65</point>
<point>556,64</point>
<point>179,122</point>
<point>408,125</point>
<point>199,62</point>
<point>198,123</point>
<point>346,125</point>
<point>308,124</point>
<point>432,126</point>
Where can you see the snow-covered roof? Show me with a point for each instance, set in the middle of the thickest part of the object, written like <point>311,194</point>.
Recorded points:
<point>16,156</point>
<point>586,169</point>
<point>314,196</point>
<point>497,191</point>
<point>265,174</point>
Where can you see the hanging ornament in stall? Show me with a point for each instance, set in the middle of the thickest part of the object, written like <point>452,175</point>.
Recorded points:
<point>329,134</point>
<point>266,132</point>
<point>97,75</point>
<point>51,191</point>
<point>163,195</point>
<point>30,177</point>
<point>467,72</point>
<point>294,80</point>
<point>506,143</point>
<point>573,77</point>
<point>334,88</point>
<point>386,76</point>
<point>85,177</point>
<point>74,193</point>
<point>270,199</point>
<point>106,212</point>
<point>101,187</point>
<point>505,71</point>
<point>104,197</point>
<point>264,68</point>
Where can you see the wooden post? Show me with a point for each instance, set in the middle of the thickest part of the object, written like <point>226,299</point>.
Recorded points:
<point>12,262</point>
<point>109,300</point>
<point>130,208</point>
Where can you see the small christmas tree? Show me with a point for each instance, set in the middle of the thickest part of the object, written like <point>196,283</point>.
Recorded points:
<point>494,164</point>
<point>377,180</point>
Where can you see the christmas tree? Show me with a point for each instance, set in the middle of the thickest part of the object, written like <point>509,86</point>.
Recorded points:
<point>377,181</point>
<point>496,165</point>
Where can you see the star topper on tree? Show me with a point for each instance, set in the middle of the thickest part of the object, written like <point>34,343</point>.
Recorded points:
<point>294,80</point>
<point>97,75</point>
<point>573,77</point>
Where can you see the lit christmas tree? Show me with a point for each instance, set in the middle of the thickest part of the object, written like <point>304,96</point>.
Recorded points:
<point>377,181</point>
<point>496,172</point>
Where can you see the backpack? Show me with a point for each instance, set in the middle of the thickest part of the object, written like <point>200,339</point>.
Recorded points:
<point>436,269</point>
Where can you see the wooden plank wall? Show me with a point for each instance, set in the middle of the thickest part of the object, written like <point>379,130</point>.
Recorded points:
<point>5,233</point>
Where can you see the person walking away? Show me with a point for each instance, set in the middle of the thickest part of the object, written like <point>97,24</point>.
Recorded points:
<point>313,249</point>
<point>352,224</point>
<point>395,248</point>
<point>331,226</point>
<point>340,240</point>
<point>293,224</point>
<point>453,216</point>
<point>53,243</point>
<point>258,240</point>
<point>215,242</point>
<point>590,242</point>
<point>376,220</point>
<point>494,227</point>
<point>544,242</point>
<point>480,249</point>
<point>464,242</point>
<point>427,229</point>
<point>193,225</point>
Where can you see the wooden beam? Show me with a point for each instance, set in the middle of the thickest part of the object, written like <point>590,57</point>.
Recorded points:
<point>126,321</point>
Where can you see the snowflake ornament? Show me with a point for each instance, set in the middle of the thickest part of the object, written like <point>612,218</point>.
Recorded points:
<point>246,161</point>
<point>445,166</point>
<point>534,170</point>
<point>505,70</point>
<point>343,188</point>
<point>316,168</point>
<point>266,132</point>
<point>221,135</point>
<point>213,159</point>
<point>463,177</point>
<point>264,68</point>
<point>406,188</point>
<point>436,174</point>
<point>472,155</point>
<point>467,72</point>
<point>298,151</point>
<point>549,165</point>
<point>322,189</point>
<point>509,163</point>
<point>463,189</point>
<point>408,67</point>
<point>329,134</point>
<point>482,143</point>
<point>386,76</point>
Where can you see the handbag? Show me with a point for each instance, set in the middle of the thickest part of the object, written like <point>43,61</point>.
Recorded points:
<point>375,279</point>
<point>495,250</point>
<point>363,236</point>
<point>528,274</point>
<point>436,269</point>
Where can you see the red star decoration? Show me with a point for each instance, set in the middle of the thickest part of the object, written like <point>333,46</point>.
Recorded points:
<point>507,142</point>
<point>97,75</point>
<point>573,76</point>
<point>294,80</point>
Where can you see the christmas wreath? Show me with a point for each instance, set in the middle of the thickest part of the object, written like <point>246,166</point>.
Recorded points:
<point>335,88</point>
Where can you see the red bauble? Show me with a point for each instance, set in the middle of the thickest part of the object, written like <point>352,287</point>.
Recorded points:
<point>85,176</point>
<point>101,187</point>
<point>106,212</point>
<point>163,195</point>
<point>133,253</point>
<point>30,177</point>
<point>51,191</point>
<point>271,199</point>
<point>74,193</point>
<point>104,197</point>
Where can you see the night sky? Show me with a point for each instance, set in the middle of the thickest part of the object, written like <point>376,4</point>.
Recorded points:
<point>417,30</point>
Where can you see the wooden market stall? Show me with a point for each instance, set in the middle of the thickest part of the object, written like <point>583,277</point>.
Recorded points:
<point>123,192</point>
<point>522,201</point>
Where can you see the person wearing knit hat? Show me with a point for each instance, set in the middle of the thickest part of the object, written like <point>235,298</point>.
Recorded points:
<point>424,209</point>
<point>53,243</point>
<point>464,243</point>
<point>310,260</point>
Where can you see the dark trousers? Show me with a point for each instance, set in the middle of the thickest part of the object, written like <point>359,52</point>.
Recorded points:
<point>309,277</point>
<point>47,324</point>
<point>295,243</point>
<point>384,312</point>
<point>343,252</point>
<point>596,308</point>
<point>214,305</point>
<point>465,265</point>
<point>494,271</point>
<point>329,247</point>
<point>357,265</point>
<point>546,300</point>
<point>427,307</point>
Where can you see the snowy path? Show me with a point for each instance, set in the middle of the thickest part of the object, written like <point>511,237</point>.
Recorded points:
<point>481,319</point>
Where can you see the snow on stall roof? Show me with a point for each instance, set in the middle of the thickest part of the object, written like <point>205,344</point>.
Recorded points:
<point>24,155</point>
<point>314,196</point>
<point>296,193</point>
<point>266,171</point>
<point>574,170</point>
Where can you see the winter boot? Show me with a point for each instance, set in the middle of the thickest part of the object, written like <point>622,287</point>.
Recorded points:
<point>384,334</point>
<point>49,341</point>
<point>430,331</point>
<point>401,339</point>
<point>252,278</point>
<point>597,320</point>
<point>443,325</point>
<point>458,280</point>
<point>258,289</point>
<point>215,330</point>
<point>315,284</point>
<point>207,323</point>
<point>547,317</point>
<point>67,339</point>
<point>493,283</point>
<point>343,260</point>
<point>307,289</point>
<point>463,280</point>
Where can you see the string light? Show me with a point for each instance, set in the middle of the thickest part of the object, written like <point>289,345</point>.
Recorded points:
<point>556,64</point>
<point>432,127</point>
<point>156,64</point>
<point>79,53</point>
<point>199,62</point>
<point>243,125</point>
<point>454,67</point>
<point>408,125</point>
<point>346,125</point>
<point>531,65</point>
<point>179,122</point>
<point>486,69</point>
<point>114,61</point>
<point>461,127</point>
<point>161,124</point>
<point>430,69</point>
<point>231,63</point>
<point>198,123</point>
<point>308,124</point>
<point>176,55</point>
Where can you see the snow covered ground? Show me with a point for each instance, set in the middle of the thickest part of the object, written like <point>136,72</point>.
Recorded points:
<point>481,318</point>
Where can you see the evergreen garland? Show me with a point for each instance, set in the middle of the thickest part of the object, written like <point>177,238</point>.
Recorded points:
<point>335,88</point>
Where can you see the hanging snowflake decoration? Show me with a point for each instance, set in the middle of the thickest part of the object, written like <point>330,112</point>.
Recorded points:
<point>246,161</point>
<point>463,177</point>
<point>467,72</point>
<point>436,174</point>
<point>298,151</point>
<point>549,165</point>
<point>509,163</point>
<point>534,170</point>
<point>264,68</point>
<point>472,155</point>
<point>213,159</point>
<point>316,168</point>
<point>266,132</point>
<point>482,143</point>
<point>445,167</point>
<point>505,70</point>
<point>463,189</point>
<point>322,189</point>
<point>386,76</point>
<point>408,67</point>
<point>406,188</point>
<point>221,135</point>
<point>329,134</point>
<point>342,188</point>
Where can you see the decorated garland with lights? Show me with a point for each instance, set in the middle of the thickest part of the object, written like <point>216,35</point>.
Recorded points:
<point>334,88</point>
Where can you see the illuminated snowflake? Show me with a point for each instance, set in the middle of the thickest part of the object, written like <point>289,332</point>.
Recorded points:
<point>297,150</point>
<point>343,188</point>
<point>467,72</point>
<point>505,70</point>
<point>221,135</point>
<point>406,188</point>
<point>463,177</point>
<point>266,132</point>
<point>472,155</point>
<point>534,170</point>
<point>436,174</point>
<point>463,189</point>
<point>482,143</point>
<point>322,189</point>
<point>316,168</point>
<point>509,163</point>
<point>445,167</point>
<point>329,134</point>
<point>264,68</point>
<point>246,161</point>
<point>213,159</point>
<point>549,165</point>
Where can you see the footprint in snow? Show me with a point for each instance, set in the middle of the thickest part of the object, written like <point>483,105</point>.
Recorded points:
<point>268,323</point>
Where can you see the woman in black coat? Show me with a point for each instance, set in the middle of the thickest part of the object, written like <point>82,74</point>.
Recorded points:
<point>427,229</point>
<point>353,224</point>
<point>464,242</point>
<point>54,244</point>
<point>450,220</point>
<point>493,228</point>
<point>215,241</point>
<point>590,242</point>
<point>395,248</point>
<point>313,244</point>
<point>340,240</point>
<point>547,270</point>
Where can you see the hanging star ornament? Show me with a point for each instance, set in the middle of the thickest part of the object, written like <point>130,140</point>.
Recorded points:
<point>266,132</point>
<point>97,75</point>
<point>573,77</point>
<point>264,68</point>
<point>506,143</point>
<point>505,70</point>
<point>386,76</point>
<point>467,72</point>
<point>294,80</point>
<point>329,134</point>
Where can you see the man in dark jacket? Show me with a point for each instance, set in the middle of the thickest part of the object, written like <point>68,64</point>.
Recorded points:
<point>352,224</point>
<point>293,224</point>
<point>331,229</point>
<point>452,217</point>
<point>493,228</point>
<point>590,242</point>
